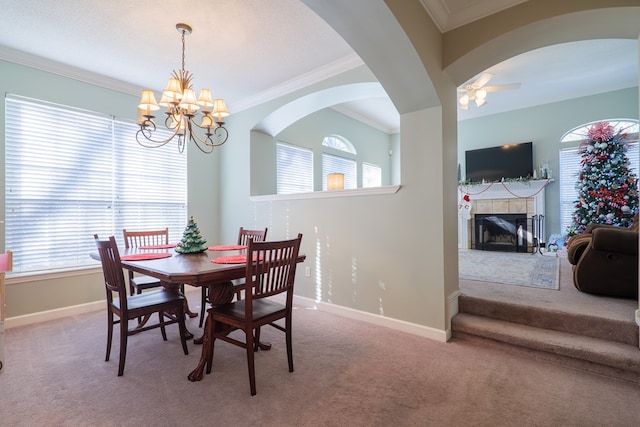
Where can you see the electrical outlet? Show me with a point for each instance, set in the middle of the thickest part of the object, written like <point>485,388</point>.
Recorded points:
<point>307,272</point>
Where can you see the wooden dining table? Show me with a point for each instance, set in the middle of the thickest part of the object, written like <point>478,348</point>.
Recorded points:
<point>194,270</point>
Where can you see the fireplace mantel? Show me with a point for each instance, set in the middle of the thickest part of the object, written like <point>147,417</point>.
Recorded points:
<point>495,194</point>
<point>505,190</point>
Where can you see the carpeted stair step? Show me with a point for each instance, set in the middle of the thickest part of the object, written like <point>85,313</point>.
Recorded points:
<point>587,352</point>
<point>574,323</point>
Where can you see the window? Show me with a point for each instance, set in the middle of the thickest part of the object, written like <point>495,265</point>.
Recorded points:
<point>371,175</point>
<point>72,173</point>
<point>339,143</point>
<point>294,167</point>
<point>335,164</point>
<point>570,164</point>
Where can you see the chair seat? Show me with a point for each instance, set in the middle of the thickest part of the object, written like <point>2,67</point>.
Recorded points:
<point>261,309</point>
<point>150,299</point>
<point>145,282</point>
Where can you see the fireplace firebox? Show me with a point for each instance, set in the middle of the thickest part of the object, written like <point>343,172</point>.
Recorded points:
<point>503,232</point>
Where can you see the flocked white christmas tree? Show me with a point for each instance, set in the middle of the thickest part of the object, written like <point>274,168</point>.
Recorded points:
<point>192,241</point>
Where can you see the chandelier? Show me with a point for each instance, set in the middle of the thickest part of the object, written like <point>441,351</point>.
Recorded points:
<point>181,112</point>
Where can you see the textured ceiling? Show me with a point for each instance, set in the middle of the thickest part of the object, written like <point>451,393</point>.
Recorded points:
<point>249,51</point>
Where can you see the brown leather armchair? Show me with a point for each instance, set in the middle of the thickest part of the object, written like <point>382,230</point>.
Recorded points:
<point>605,260</point>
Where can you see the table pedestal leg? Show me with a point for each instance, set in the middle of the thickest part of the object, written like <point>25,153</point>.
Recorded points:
<point>196,374</point>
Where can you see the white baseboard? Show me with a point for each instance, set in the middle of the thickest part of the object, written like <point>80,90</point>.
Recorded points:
<point>399,325</point>
<point>58,313</point>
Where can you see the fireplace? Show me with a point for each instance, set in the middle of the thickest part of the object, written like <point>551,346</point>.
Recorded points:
<point>502,232</point>
<point>519,204</point>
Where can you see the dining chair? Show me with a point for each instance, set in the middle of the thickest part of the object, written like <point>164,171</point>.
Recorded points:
<point>127,308</point>
<point>270,271</point>
<point>243,237</point>
<point>136,239</point>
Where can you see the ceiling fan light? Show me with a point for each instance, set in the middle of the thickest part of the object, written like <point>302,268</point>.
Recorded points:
<point>481,93</point>
<point>464,100</point>
<point>480,102</point>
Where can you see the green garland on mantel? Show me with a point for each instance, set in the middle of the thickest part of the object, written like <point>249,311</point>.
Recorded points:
<point>508,180</point>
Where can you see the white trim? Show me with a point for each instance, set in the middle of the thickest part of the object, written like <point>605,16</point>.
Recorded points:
<point>65,70</point>
<point>319,74</point>
<point>58,313</point>
<point>52,274</point>
<point>387,189</point>
<point>453,303</point>
<point>399,325</point>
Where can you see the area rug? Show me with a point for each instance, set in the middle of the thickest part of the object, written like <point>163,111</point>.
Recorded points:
<point>516,269</point>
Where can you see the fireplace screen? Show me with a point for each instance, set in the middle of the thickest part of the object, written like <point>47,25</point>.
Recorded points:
<point>505,232</point>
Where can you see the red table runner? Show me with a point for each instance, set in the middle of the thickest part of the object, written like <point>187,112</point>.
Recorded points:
<point>226,247</point>
<point>167,246</point>
<point>141,257</point>
<point>231,259</point>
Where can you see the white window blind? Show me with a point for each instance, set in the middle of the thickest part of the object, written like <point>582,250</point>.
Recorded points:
<point>371,175</point>
<point>336,164</point>
<point>71,173</point>
<point>294,166</point>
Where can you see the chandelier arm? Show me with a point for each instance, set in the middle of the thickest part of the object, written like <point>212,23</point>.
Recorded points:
<point>208,141</point>
<point>146,130</point>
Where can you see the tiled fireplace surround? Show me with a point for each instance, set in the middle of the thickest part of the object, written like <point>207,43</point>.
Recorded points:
<point>500,198</point>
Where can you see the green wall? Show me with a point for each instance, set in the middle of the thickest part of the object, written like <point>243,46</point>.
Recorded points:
<point>32,294</point>
<point>371,144</point>
<point>545,125</point>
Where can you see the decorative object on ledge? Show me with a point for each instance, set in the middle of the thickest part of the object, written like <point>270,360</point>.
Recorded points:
<point>181,109</point>
<point>335,181</point>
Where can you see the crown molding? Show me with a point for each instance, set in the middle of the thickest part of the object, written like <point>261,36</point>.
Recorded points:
<point>319,74</point>
<point>366,120</point>
<point>447,19</point>
<point>64,70</point>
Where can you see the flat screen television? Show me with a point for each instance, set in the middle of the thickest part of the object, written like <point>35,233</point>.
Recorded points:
<point>509,161</point>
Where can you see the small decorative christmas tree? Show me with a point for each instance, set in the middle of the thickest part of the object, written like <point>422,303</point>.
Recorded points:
<point>606,187</point>
<point>192,242</point>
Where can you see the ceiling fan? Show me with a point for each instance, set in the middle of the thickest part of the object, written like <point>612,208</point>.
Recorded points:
<point>476,91</point>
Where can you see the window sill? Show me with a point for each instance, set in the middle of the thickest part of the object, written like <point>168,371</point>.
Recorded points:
<point>389,189</point>
<point>14,278</point>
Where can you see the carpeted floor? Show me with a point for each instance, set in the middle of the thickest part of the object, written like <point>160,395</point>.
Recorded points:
<point>567,298</point>
<point>518,269</point>
<point>347,372</point>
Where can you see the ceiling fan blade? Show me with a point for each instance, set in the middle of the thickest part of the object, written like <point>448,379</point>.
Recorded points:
<point>482,80</point>
<point>497,88</point>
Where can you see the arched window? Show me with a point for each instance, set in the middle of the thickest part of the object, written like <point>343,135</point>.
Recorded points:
<point>339,143</point>
<point>570,162</point>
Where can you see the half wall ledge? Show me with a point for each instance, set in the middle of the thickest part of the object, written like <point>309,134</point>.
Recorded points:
<point>387,189</point>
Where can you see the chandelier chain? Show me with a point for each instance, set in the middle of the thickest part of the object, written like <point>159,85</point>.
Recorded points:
<point>183,47</point>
